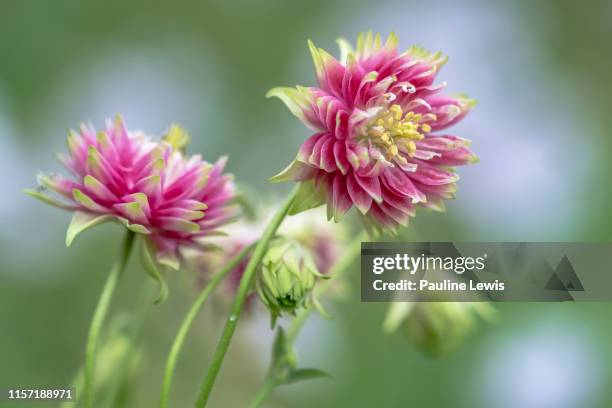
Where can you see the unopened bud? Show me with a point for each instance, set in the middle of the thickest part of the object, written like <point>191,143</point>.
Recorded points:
<point>286,279</point>
<point>437,327</point>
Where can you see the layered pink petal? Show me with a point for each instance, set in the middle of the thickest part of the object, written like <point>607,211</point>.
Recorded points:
<point>178,199</point>
<point>383,168</point>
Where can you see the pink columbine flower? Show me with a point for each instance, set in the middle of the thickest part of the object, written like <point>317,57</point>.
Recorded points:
<point>152,188</point>
<point>379,141</point>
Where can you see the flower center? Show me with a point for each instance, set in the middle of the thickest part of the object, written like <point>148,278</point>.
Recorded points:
<point>394,131</point>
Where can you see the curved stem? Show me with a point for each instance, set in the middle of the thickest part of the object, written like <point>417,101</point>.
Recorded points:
<point>263,393</point>
<point>77,381</point>
<point>243,290</point>
<point>74,384</point>
<point>100,314</point>
<point>339,268</point>
<point>188,321</point>
<point>119,391</point>
<point>296,325</point>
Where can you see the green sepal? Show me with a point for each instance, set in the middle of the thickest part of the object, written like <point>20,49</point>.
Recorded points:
<point>319,307</point>
<point>82,221</point>
<point>306,374</point>
<point>46,199</point>
<point>152,268</point>
<point>298,100</point>
<point>137,228</point>
<point>296,170</point>
<point>308,196</point>
<point>170,260</point>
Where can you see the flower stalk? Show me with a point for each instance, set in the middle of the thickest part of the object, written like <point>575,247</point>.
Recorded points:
<point>177,345</point>
<point>100,314</point>
<point>339,268</point>
<point>265,391</point>
<point>241,295</point>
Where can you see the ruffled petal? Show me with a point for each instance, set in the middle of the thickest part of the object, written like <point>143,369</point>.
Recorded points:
<point>360,197</point>
<point>300,102</point>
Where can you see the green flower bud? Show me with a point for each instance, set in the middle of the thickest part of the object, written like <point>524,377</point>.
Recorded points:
<point>286,278</point>
<point>437,327</point>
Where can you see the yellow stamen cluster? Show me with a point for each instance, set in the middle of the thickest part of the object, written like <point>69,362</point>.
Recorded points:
<point>392,130</point>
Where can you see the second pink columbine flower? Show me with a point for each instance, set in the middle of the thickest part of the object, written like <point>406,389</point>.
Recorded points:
<point>152,188</point>
<point>379,143</point>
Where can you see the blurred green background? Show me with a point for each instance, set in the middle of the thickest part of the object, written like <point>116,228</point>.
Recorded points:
<point>540,71</point>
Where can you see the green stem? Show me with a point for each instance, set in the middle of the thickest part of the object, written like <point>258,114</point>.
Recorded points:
<point>339,268</point>
<point>100,314</point>
<point>188,321</point>
<point>75,384</point>
<point>121,385</point>
<point>243,291</point>
<point>296,325</point>
<point>263,393</point>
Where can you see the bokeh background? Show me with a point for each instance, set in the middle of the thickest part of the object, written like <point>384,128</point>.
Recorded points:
<point>541,73</point>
